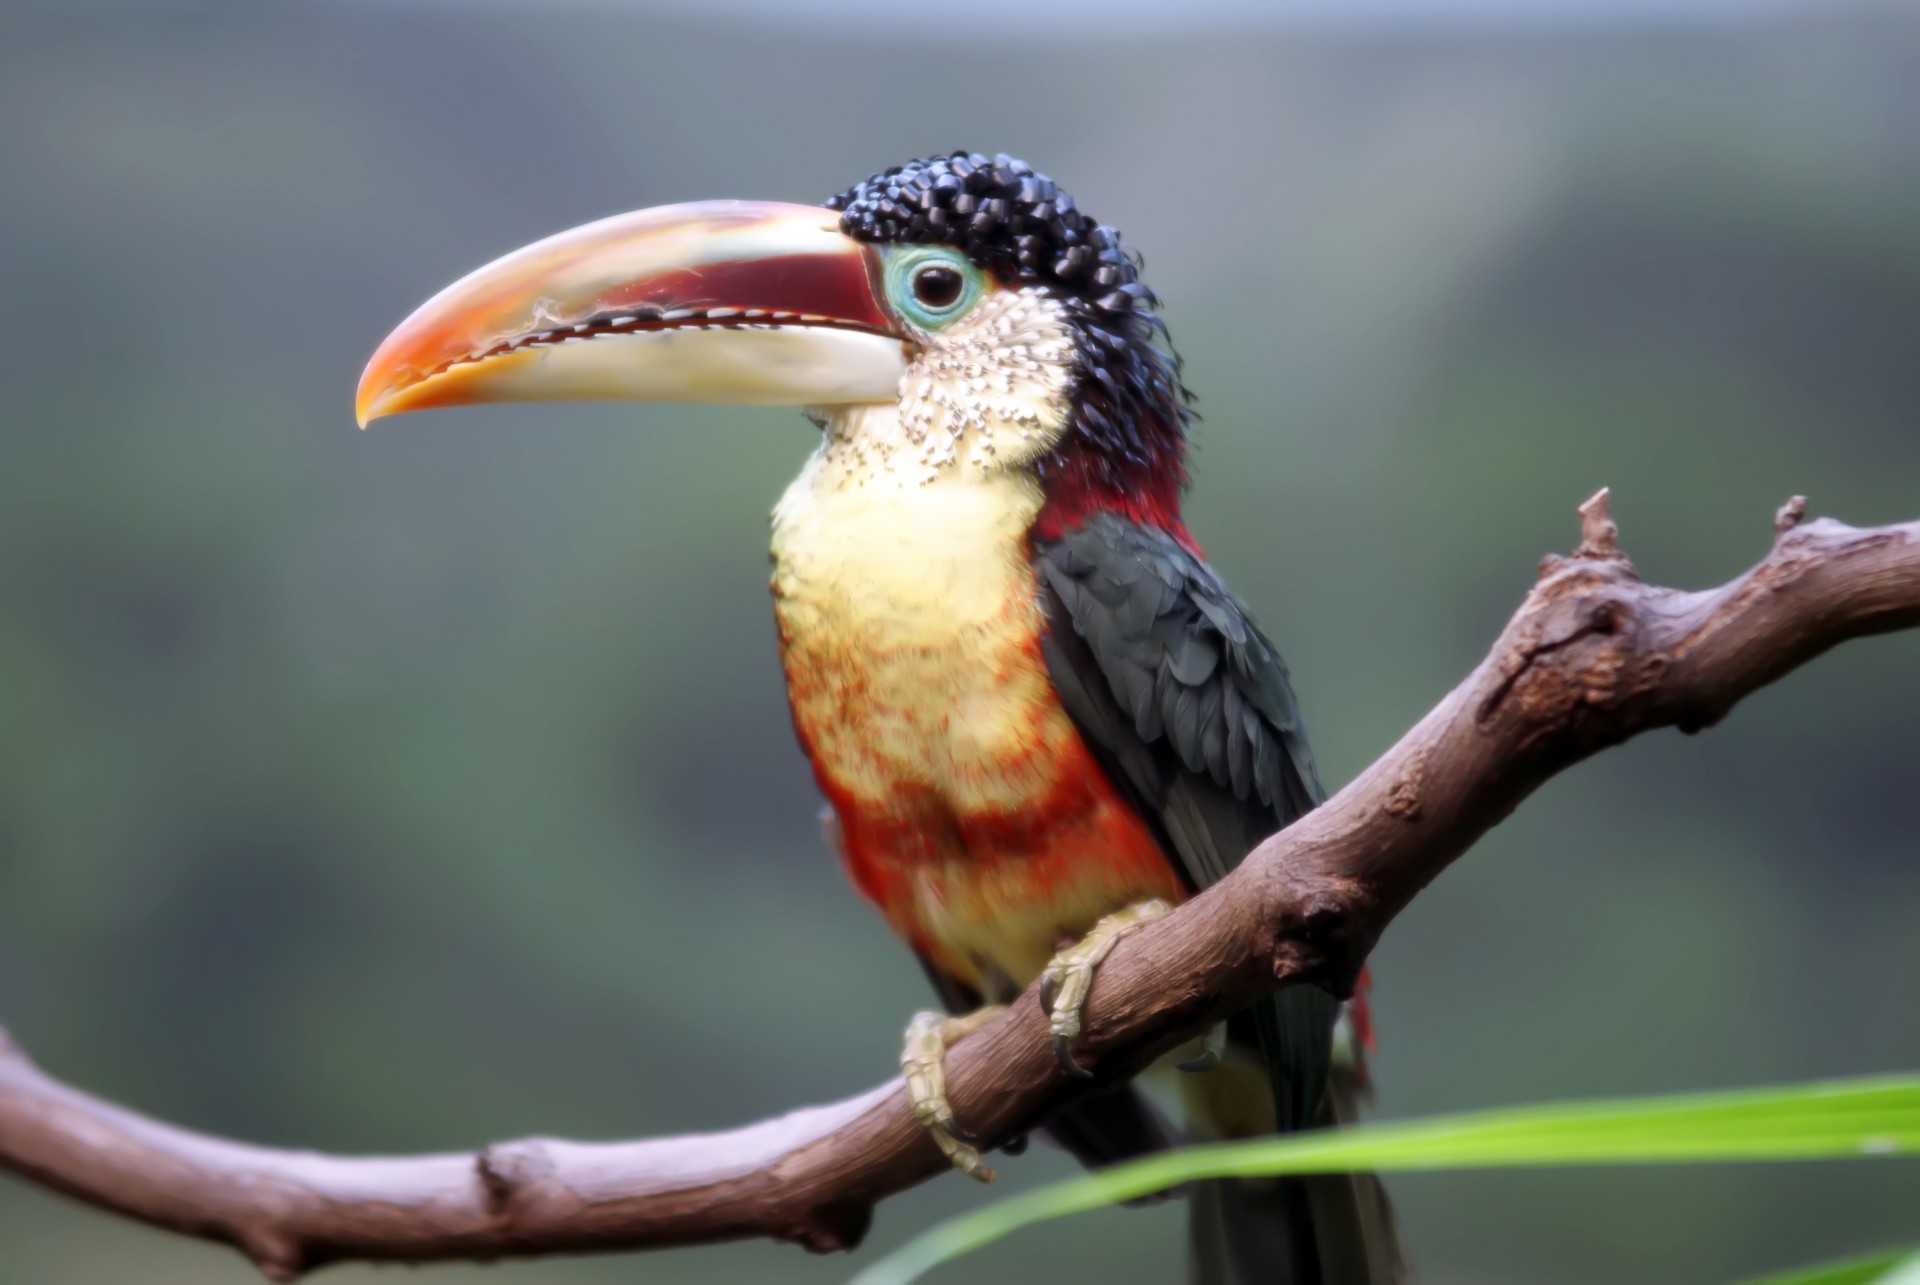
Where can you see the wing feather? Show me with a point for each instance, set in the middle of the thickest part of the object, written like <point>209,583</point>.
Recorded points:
<point>1189,710</point>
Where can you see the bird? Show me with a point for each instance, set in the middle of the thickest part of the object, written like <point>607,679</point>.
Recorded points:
<point>1038,716</point>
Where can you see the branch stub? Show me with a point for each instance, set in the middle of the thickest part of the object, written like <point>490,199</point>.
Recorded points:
<point>1599,536</point>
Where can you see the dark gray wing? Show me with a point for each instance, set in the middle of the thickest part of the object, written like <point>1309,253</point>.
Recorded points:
<point>1189,710</point>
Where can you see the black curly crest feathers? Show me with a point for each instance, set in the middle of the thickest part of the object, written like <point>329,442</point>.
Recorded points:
<point>1131,410</point>
<point>1010,219</point>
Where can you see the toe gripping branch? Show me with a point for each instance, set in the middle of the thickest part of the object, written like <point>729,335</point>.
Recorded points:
<point>1064,987</point>
<point>1068,980</point>
<point>923,1061</point>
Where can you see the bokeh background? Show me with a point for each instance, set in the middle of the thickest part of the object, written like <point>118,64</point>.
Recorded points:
<point>434,785</point>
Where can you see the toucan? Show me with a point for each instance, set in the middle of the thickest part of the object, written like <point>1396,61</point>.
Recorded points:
<point>1038,717</point>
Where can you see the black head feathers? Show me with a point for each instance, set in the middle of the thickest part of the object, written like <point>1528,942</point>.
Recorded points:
<point>1010,220</point>
<point>1016,223</point>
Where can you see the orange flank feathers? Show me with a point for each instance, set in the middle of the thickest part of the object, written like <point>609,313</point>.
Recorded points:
<point>988,897</point>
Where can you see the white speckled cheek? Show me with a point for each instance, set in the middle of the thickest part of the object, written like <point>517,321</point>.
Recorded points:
<point>994,388</point>
<point>989,393</point>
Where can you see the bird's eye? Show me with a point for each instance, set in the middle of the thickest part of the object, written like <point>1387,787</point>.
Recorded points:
<point>938,287</point>
<point>931,287</point>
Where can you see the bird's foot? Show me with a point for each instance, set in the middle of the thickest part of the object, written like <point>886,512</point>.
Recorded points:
<point>1068,979</point>
<point>923,1059</point>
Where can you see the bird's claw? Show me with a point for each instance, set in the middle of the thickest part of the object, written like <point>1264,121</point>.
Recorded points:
<point>1212,1052</point>
<point>1068,979</point>
<point>923,1061</point>
<point>1063,1053</point>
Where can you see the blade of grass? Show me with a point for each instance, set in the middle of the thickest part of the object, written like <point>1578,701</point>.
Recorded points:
<point>1878,1116</point>
<point>1888,1267</point>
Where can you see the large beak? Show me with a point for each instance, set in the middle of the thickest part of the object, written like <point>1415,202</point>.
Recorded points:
<point>719,301</point>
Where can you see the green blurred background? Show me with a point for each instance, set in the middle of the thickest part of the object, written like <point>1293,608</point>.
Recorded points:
<point>434,785</point>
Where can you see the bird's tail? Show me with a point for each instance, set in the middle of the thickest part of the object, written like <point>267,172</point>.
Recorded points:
<point>1330,1229</point>
<point>1327,1229</point>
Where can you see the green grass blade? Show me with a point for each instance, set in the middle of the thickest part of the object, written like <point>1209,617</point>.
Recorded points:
<point>1879,1116</point>
<point>1888,1267</point>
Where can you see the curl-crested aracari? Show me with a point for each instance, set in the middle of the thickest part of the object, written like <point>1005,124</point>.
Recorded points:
<point>1038,716</point>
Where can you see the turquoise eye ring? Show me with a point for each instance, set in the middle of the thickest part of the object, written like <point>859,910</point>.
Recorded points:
<point>932,286</point>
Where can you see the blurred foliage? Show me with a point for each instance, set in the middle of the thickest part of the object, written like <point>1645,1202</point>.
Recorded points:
<point>433,785</point>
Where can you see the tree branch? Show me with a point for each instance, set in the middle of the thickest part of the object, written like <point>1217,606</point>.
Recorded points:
<point>1592,657</point>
